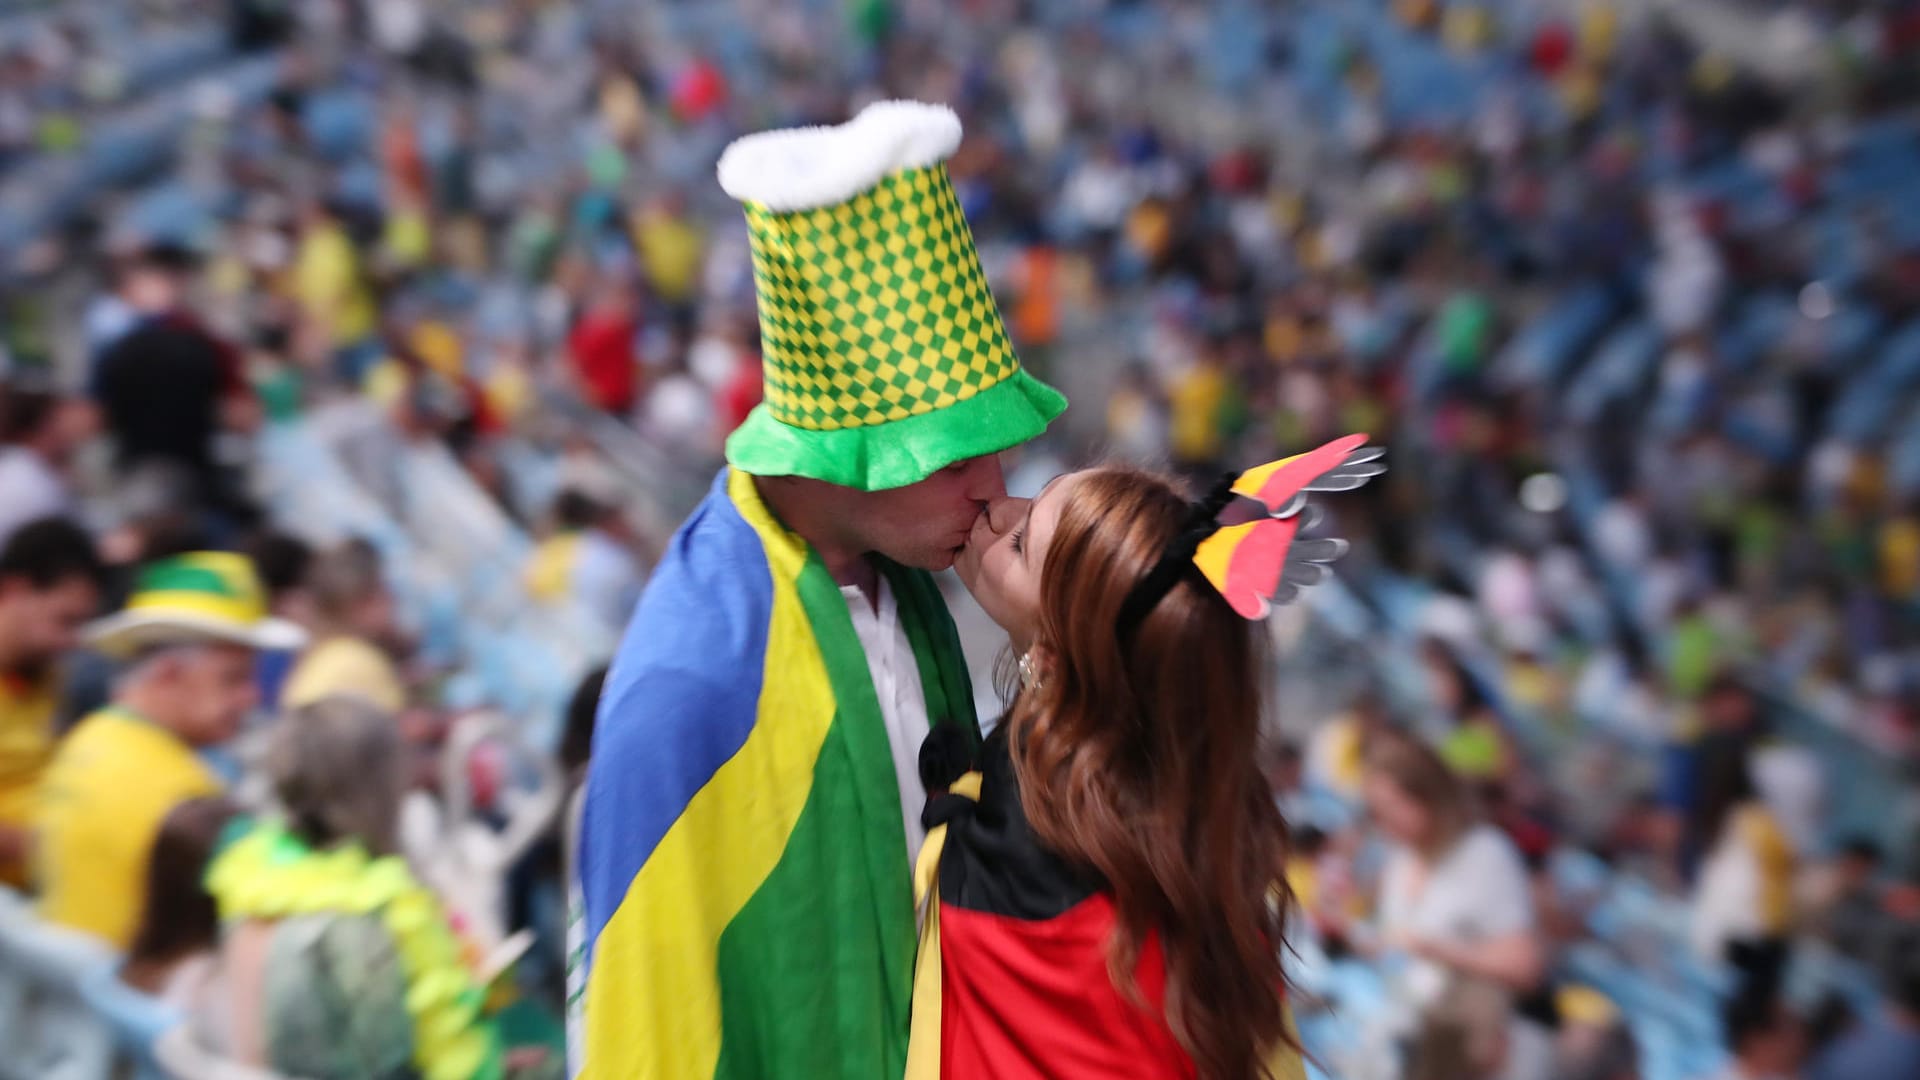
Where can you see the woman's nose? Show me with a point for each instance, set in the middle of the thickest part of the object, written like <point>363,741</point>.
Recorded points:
<point>1004,513</point>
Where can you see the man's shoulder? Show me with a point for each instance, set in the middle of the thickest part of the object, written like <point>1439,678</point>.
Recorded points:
<point>31,700</point>
<point>98,730</point>
<point>109,740</point>
<point>98,760</point>
<point>714,572</point>
<point>158,340</point>
<point>705,610</point>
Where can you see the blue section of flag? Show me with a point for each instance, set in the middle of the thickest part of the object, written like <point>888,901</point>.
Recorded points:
<point>680,699</point>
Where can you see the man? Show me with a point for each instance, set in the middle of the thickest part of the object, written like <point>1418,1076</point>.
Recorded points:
<point>1843,902</point>
<point>356,633</point>
<point>753,800</point>
<point>601,348</point>
<point>1285,767</point>
<point>49,587</point>
<point>588,564</point>
<point>187,637</point>
<point>39,431</point>
<point>283,563</point>
<point>168,387</point>
<point>339,318</point>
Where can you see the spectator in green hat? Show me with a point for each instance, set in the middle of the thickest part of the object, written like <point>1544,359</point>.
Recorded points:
<point>186,640</point>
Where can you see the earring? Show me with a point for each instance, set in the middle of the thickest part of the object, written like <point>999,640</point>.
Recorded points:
<point>1029,672</point>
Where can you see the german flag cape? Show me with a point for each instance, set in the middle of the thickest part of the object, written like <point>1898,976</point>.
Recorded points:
<point>1012,980</point>
<point>748,905</point>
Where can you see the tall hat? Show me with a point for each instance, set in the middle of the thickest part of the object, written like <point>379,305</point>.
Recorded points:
<point>885,356</point>
<point>205,596</point>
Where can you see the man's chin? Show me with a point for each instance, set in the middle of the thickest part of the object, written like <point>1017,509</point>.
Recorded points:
<point>932,560</point>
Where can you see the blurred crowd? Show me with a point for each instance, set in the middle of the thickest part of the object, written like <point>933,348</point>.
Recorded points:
<point>1629,787</point>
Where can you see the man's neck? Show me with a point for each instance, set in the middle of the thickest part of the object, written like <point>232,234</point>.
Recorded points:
<point>9,656</point>
<point>143,704</point>
<point>846,564</point>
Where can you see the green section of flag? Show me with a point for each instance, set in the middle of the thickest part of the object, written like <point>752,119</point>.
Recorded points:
<point>836,914</point>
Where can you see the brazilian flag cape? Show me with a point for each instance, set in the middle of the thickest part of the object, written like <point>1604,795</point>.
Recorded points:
<point>748,905</point>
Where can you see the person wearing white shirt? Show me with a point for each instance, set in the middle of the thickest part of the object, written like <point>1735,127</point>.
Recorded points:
<point>38,432</point>
<point>896,683</point>
<point>1454,896</point>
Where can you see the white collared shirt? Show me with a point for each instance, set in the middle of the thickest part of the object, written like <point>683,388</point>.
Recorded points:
<point>903,707</point>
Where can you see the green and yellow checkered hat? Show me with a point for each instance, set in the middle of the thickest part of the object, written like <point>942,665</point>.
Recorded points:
<point>885,356</point>
<point>205,596</point>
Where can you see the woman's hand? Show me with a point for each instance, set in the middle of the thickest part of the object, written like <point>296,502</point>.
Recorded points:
<point>1423,948</point>
<point>1515,961</point>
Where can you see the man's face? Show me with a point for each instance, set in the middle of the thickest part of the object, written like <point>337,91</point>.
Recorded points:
<point>44,624</point>
<point>213,689</point>
<point>926,524</point>
<point>74,423</point>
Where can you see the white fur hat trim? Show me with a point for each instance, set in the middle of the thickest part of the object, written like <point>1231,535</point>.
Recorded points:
<point>811,167</point>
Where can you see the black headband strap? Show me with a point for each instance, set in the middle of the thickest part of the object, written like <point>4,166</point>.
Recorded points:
<point>1202,521</point>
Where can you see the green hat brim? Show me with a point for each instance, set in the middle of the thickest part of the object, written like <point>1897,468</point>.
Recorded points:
<point>899,452</point>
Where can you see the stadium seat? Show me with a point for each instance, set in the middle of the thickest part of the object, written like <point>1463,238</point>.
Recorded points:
<point>137,1019</point>
<point>500,797</point>
<point>183,1058</point>
<point>54,1034</point>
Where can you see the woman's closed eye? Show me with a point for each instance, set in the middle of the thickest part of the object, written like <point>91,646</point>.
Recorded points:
<point>1018,540</point>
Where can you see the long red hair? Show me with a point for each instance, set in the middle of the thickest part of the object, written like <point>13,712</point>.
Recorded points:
<point>1140,762</point>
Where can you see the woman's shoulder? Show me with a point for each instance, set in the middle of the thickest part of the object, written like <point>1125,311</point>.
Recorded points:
<point>992,861</point>
<point>1487,843</point>
<point>350,950</point>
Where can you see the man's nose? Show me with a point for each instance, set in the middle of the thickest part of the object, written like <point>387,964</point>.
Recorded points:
<point>1004,514</point>
<point>983,480</point>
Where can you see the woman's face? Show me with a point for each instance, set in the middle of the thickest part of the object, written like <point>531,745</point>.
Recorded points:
<point>1005,556</point>
<point>1398,815</point>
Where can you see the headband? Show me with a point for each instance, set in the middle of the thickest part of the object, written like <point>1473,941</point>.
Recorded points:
<point>1256,564</point>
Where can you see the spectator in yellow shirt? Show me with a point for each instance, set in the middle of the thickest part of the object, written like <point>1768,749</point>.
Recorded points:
<point>589,564</point>
<point>356,633</point>
<point>1900,556</point>
<point>330,285</point>
<point>1199,399</point>
<point>671,248</point>
<point>49,587</point>
<point>187,639</point>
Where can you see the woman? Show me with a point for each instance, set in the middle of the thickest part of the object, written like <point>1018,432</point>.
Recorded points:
<point>1114,904</point>
<point>171,957</point>
<point>1454,893</point>
<point>338,962</point>
<point>1743,903</point>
